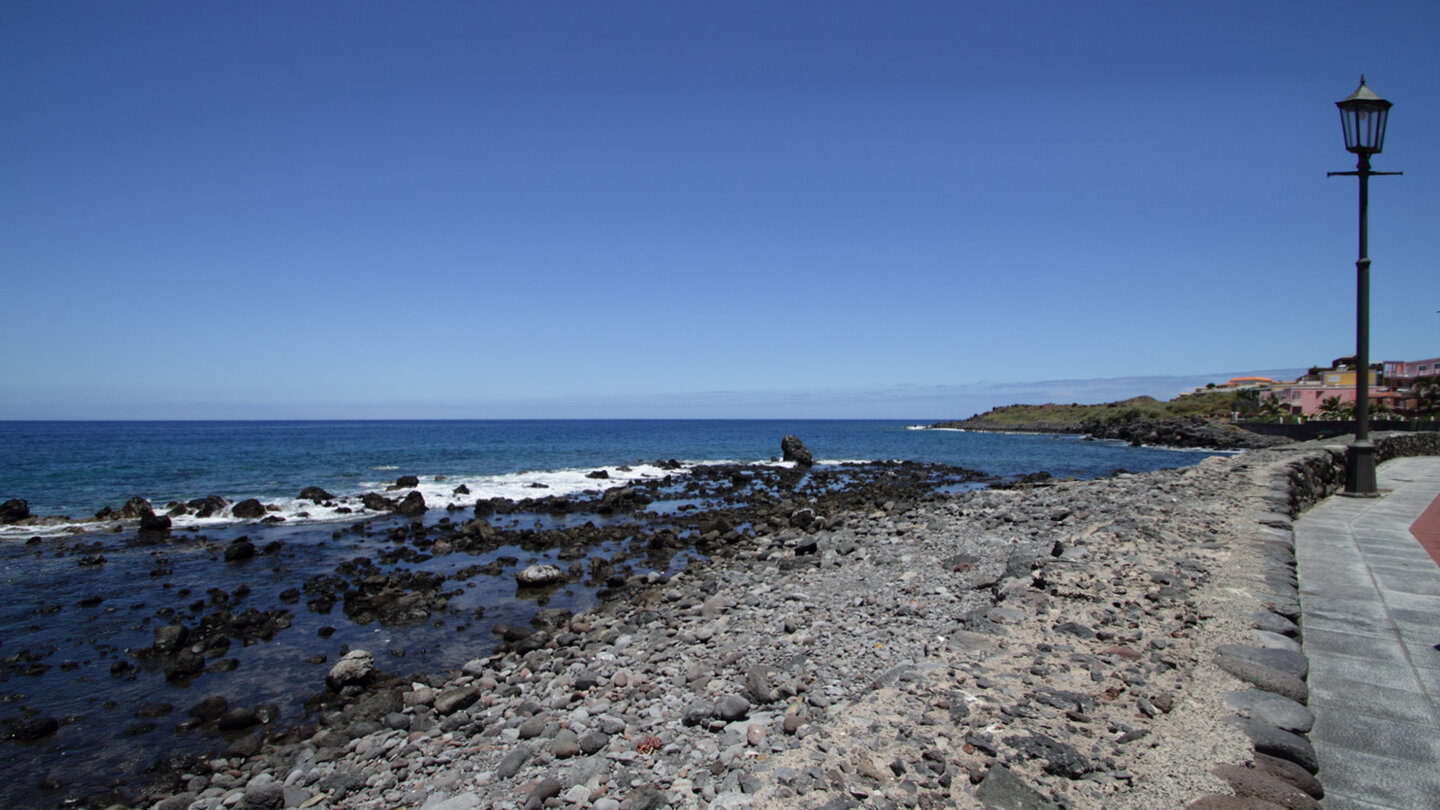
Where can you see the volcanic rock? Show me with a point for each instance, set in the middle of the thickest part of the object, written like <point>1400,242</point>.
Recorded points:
<point>539,575</point>
<point>14,511</point>
<point>793,449</point>
<point>248,509</point>
<point>355,668</point>
<point>315,494</point>
<point>412,505</point>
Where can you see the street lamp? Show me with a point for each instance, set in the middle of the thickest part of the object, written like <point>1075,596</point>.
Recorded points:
<point>1363,116</point>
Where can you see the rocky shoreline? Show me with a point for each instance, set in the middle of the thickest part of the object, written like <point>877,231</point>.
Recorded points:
<point>1189,432</point>
<point>1073,644</point>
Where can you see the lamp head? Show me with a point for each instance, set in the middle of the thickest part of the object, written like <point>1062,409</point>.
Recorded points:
<point>1363,115</point>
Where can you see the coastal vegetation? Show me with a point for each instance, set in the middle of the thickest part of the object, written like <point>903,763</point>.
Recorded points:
<point>1073,418</point>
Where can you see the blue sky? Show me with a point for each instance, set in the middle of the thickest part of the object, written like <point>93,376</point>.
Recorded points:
<point>337,209</point>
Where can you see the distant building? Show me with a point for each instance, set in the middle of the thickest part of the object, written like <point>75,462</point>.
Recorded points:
<point>1404,373</point>
<point>1340,378</point>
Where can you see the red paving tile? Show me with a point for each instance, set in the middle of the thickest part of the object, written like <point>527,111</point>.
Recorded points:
<point>1427,530</point>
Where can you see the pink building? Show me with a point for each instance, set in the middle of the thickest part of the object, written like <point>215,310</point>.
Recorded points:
<point>1309,398</point>
<point>1401,373</point>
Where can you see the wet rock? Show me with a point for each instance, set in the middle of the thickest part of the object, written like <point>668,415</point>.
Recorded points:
<point>376,502</point>
<point>539,576</point>
<point>793,449</point>
<point>239,550</point>
<point>14,510</point>
<point>412,505</point>
<point>248,509</point>
<point>184,665</point>
<point>237,719</point>
<point>355,669</point>
<point>170,638</point>
<point>209,506</point>
<point>135,508</point>
<point>209,709</point>
<point>151,522</point>
<point>315,495</point>
<point>34,728</point>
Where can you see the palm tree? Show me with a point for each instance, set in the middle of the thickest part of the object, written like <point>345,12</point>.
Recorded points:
<point>1332,408</point>
<point>1272,408</point>
<point>1427,395</point>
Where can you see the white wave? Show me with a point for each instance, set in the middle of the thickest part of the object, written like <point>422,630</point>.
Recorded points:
<point>438,494</point>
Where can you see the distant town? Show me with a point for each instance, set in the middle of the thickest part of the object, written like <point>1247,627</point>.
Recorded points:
<point>1399,390</point>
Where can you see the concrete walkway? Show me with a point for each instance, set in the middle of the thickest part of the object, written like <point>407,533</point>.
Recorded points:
<point>1370,603</point>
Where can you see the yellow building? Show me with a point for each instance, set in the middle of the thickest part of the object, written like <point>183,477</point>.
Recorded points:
<point>1343,378</point>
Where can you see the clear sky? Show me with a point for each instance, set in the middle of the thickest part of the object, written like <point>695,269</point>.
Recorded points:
<point>656,209</point>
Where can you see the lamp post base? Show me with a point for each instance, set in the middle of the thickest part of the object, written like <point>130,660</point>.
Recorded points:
<point>1360,470</point>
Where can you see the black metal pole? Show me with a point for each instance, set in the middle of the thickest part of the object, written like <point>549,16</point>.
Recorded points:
<point>1361,467</point>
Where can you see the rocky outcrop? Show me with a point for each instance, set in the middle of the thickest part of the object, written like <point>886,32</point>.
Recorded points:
<point>14,511</point>
<point>249,509</point>
<point>315,495</point>
<point>793,449</point>
<point>1192,432</point>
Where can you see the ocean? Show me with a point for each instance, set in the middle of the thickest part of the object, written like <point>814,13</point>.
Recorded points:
<point>76,468</point>
<point>82,609</point>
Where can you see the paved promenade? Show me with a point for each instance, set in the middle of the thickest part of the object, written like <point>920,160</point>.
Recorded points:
<point>1369,572</point>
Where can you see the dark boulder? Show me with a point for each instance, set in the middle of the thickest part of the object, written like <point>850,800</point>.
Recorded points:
<point>406,482</point>
<point>792,449</point>
<point>412,505</point>
<point>315,495</point>
<point>237,719</point>
<point>14,511</point>
<point>35,728</point>
<point>248,509</point>
<point>209,506</point>
<point>152,522</point>
<point>170,638</point>
<point>598,474</point>
<point>209,709</point>
<point>239,549</point>
<point>135,508</point>
<point>376,502</point>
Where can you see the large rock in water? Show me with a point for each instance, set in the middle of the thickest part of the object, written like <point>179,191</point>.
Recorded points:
<point>14,511</point>
<point>248,509</point>
<point>356,668</point>
<point>538,576</point>
<point>792,449</point>
<point>411,505</point>
<point>315,495</point>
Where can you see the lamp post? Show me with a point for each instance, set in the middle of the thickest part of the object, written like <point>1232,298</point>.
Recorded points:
<point>1362,115</point>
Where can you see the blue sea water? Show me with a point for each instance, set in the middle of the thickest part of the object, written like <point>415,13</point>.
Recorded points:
<point>66,625</point>
<point>75,468</point>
